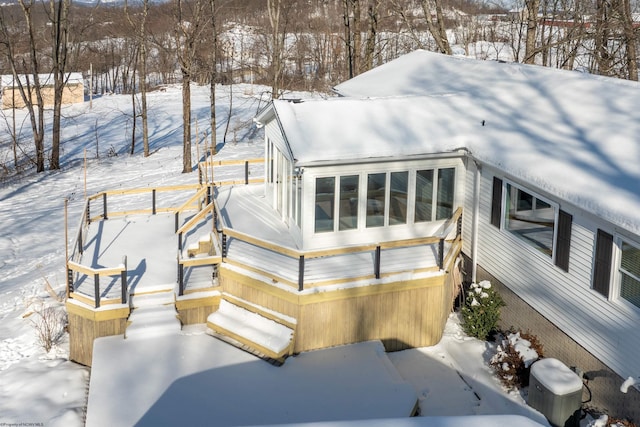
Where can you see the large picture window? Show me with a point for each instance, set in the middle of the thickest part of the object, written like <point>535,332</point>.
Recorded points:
<point>630,273</point>
<point>383,199</point>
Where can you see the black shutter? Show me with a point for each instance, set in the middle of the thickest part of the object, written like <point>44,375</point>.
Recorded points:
<point>496,202</point>
<point>602,263</point>
<point>563,242</point>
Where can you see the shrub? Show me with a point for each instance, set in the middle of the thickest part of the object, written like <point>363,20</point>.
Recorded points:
<point>514,357</point>
<point>50,326</point>
<point>481,310</point>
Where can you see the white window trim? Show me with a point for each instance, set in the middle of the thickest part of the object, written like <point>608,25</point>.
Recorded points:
<point>522,242</point>
<point>616,276</point>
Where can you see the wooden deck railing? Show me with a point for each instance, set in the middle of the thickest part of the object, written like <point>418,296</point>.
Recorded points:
<point>206,168</point>
<point>443,259</point>
<point>96,273</point>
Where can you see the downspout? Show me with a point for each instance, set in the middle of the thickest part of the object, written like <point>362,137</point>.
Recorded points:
<point>475,222</point>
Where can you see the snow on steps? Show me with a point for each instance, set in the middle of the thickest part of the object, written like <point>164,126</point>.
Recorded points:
<point>204,246</point>
<point>257,329</point>
<point>153,314</point>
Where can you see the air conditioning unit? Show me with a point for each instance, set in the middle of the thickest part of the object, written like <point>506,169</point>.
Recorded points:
<point>555,391</point>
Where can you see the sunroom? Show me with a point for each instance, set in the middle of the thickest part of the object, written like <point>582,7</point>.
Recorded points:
<point>354,233</point>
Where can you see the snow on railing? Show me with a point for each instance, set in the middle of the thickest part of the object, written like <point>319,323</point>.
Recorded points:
<point>96,273</point>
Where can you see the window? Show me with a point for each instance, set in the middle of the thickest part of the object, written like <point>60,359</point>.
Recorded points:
<point>446,178</point>
<point>348,215</point>
<point>531,221</point>
<point>630,273</point>
<point>376,194</point>
<point>398,198</point>
<point>444,194</point>
<point>424,195</point>
<point>325,199</point>
<point>534,220</point>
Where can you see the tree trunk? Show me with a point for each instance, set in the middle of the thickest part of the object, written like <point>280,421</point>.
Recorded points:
<point>186,121</point>
<point>532,26</point>
<point>437,28</point>
<point>630,40</point>
<point>213,77</point>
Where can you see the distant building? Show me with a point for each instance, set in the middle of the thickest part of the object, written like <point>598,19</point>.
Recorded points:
<point>10,93</point>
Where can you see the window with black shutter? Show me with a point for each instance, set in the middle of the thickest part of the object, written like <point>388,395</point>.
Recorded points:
<point>563,240</point>
<point>602,263</point>
<point>496,203</point>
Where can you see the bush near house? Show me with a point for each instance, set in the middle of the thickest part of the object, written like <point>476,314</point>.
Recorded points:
<point>514,356</point>
<point>481,310</point>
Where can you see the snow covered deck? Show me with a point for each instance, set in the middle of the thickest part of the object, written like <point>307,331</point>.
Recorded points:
<point>150,245</point>
<point>245,210</point>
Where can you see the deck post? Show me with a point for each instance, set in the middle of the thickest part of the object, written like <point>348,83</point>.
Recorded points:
<point>123,280</point>
<point>208,194</point>
<point>96,281</point>
<point>376,265</point>
<point>441,253</point>
<point>180,278</point>
<point>246,172</point>
<point>153,201</point>
<point>88,211</point>
<point>215,218</point>
<point>179,241</point>
<point>104,205</point>
<point>80,241</point>
<point>459,227</point>
<point>301,273</point>
<point>177,221</point>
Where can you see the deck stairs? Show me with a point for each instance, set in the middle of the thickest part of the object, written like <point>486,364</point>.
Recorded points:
<point>253,328</point>
<point>204,246</point>
<point>153,313</point>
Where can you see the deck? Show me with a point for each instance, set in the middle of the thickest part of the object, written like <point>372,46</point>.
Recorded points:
<point>256,241</point>
<point>150,245</point>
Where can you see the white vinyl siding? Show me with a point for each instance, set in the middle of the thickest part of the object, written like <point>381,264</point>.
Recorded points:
<point>566,299</point>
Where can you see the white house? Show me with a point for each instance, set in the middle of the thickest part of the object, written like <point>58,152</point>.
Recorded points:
<point>545,164</point>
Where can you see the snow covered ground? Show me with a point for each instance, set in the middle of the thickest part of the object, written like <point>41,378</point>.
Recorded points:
<point>451,378</point>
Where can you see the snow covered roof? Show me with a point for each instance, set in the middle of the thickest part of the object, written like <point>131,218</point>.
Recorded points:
<point>7,80</point>
<point>573,135</point>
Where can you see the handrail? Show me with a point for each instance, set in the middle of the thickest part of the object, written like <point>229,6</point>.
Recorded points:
<point>195,219</point>
<point>442,258</point>
<point>200,193</point>
<point>97,273</point>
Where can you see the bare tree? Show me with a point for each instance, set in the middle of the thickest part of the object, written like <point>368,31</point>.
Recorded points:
<point>141,38</point>
<point>187,34</point>
<point>434,17</point>
<point>530,51</point>
<point>59,15</point>
<point>30,85</point>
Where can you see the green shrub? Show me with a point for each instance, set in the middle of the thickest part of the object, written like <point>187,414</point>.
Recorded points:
<point>481,310</point>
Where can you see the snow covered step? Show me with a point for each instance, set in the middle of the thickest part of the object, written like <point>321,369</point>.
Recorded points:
<point>152,299</point>
<point>151,321</point>
<point>265,331</point>
<point>204,245</point>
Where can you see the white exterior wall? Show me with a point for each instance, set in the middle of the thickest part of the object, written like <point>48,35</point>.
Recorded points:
<point>274,136</point>
<point>364,235</point>
<point>608,329</point>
